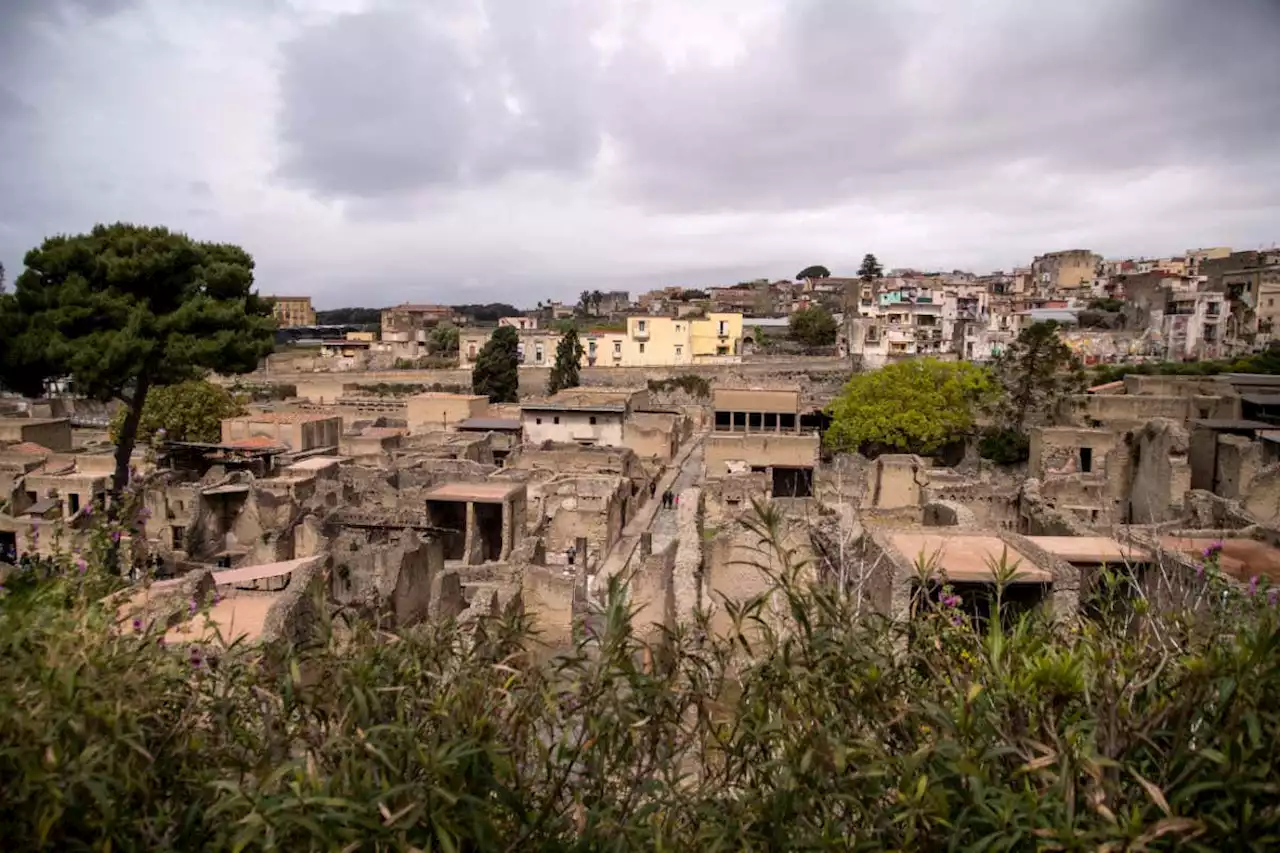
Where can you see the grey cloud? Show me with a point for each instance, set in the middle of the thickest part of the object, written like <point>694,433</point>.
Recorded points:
<point>387,101</point>
<point>846,102</point>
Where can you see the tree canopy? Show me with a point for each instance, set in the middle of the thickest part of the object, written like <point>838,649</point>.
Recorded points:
<point>813,327</point>
<point>126,308</point>
<point>1035,373</point>
<point>870,269</point>
<point>564,374</point>
<point>489,312</point>
<point>349,317</point>
<point>815,271</point>
<point>915,406</point>
<point>188,411</point>
<point>443,340</point>
<point>496,374</point>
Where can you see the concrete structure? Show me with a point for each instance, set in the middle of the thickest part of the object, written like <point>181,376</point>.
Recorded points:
<point>406,327</point>
<point>295,431</point>
<point>291,311</point>
<point>485,520</point>
<point>1070,270</point>
<point>586,416</point>
<point>436,411</point>
<point>758,430</point>
<point>756,409</point>
<point>51,433</point>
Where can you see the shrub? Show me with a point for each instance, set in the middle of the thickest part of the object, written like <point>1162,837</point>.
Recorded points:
<point>690,383</point>
<point>807,726</point>
<point>1004,446</point>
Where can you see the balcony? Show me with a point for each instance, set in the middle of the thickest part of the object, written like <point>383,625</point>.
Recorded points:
<point>640,331</point>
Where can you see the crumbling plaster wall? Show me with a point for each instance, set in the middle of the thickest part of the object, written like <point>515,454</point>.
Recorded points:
<point>1161,472</point>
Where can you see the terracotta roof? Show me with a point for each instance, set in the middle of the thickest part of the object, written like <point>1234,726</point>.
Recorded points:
<point>28,447</point>
<point>255,442</point>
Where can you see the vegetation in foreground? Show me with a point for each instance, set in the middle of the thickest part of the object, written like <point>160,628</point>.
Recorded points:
<point>805,728</point>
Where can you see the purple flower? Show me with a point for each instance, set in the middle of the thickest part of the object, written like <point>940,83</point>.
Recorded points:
<point>88,510</point>
<point>1213,550</point>
<point>216,598</point>
<point>194,606</point>
<point>144,513</point>
<point>955,618</point>
<point>196,660</point>
<point>1200,571</point>
<point>115,536</point>
<point>1273,595</point>
<point>82,566</point>
<point>137,626</point>
<point>1253,586</point>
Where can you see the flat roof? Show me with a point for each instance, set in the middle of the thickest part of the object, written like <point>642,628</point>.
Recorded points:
<point>283,417</point>
<point>487,492</point>
<point>967,557</point>
<point>315,463</point>
<point>606,408</point>
<point>1262,399</point>
<point>1091,549</point>
<point>1227,423</point>
<point>489,424</point>
<point>1241,558</point>
<point>253,573</point>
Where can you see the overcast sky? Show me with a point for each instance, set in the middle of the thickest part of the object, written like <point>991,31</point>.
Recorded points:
<point>372,151</point>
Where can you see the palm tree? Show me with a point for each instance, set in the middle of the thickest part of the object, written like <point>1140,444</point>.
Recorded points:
<point>596,298</point>
<point>584,301</point>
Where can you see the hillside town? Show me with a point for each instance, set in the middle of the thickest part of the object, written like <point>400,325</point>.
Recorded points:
<point>376,469</point>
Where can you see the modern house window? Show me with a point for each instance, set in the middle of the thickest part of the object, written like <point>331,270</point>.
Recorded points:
<point>640,325</point>
<point>724,327</point>
<point>537,352</point>
<point>642,349</point>
<point>591,347</point>
<point>679,349</point>
<point>617,347</point>
<point>592,420</point>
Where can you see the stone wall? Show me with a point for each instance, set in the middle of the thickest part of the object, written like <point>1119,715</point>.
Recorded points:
<point>1161,472</point>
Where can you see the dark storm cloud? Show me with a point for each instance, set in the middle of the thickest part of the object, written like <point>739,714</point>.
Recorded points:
<point>841,101</point>
<point>388,101</point>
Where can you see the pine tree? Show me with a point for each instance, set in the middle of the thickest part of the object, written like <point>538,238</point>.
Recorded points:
<point>870,269</point>
<point>568,358</point>
<point>496,374</point>
<point>125,309</point>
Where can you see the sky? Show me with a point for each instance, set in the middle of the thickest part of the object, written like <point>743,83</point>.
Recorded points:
<point>368,152</point>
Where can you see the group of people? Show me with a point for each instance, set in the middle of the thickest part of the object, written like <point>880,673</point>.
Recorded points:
<point>669,498</point>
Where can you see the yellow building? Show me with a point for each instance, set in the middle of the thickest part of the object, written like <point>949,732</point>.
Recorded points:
<point>649,341</point>
<point>718,334</point>
<point>293,311</point>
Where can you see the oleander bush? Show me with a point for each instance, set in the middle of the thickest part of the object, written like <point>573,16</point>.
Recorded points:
<point>808,727</point>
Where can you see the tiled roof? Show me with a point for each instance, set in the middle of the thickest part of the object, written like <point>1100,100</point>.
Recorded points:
<point>28,447</point>
<point>254,443</point>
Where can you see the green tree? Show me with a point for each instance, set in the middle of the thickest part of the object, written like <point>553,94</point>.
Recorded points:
<point>568,359</point>
<point>1,278</point>
<point>870,269</point>
<point>584,302</point>
<point>597,298</point>
<point>443,340</point>
<point>815,271</point>
<point>914,406</point>
<point>124,309</point>
<point>496,373</point>
<point>813,327</point>
<point>1037,371</point>
<point>188,411</point>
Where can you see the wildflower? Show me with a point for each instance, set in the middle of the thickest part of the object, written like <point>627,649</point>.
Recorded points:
<point>1213,550</point>
<point>1200,572</point>
<point>115,536</point>
<point>162,432</point>
<point>82,565</point>
<point>1273,595</point>
<point>1253,586</point>
<point>137,626</point>
<point>144,514</point>
<point>196,659</point>
<point>88,510</point>
<point>193,606</point>
<point>216,598</point>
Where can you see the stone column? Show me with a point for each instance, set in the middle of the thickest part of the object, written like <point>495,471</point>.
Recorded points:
<point>473,542</point>
<point>580,544</point>
<point>646,544</point>
<point>506,531</point>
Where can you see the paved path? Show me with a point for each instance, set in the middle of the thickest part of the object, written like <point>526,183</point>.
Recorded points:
<point>684,471</point>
